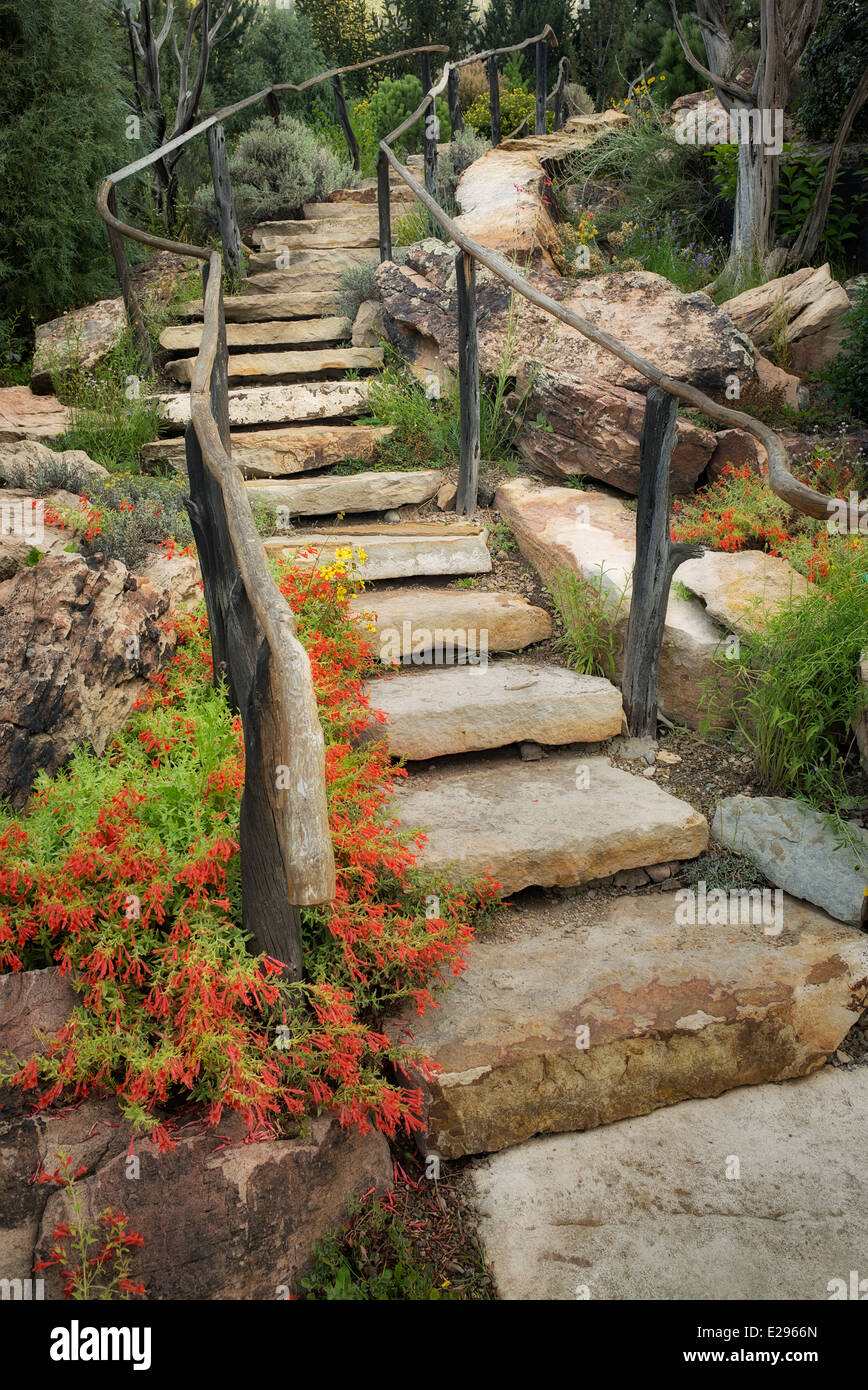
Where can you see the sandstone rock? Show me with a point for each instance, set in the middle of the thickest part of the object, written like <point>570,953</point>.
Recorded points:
<point>277,405</point>
<point>280,333</point>
<point>736,449</point>
<point>593,534</point>
<point>179,574</point>
<point>796,849</point>
<point>447,496</point>
<point>354,492</point>
<point>592,428</point>
<point>369,328</point>
<point>25,416</point>
<point>33,1004</point>
<point>305,362</point>
<point>684,335</point>
<point>79,641</point>
<point>433,713</point>
<point>558,823</point>
<point>280,452</point>
<point>21,462</point>
<point>251,308</point>
<point>588,1023</point>
<point>808,304</point>
<point>646,1209</point>
<point>14,553</point>
<point>317,263</point>
<point>359,228</point>
<point>82,338</point>
<point>744,588</point>
<point>25,534</point>
<point>404,552</point>
<point>775,379</point>
<point>501,196</point>
<point>436,627</point>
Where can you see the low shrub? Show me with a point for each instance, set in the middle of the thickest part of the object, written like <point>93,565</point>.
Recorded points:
<point>516,106</point>
<point>275,170</point>
<point>125,872</point>
<point>463,150</point>
<point>358,283</point>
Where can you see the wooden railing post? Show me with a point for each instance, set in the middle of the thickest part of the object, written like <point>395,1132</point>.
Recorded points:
<point>456,120</point>
<point>344,118</point>
<point>656,561</point>
<point>430,131</point>
<point>542,53</point>
<point>560,90</point>
<point>273,107</point>
<point>384,206</point>
<point>468,384</point>
<point>494,99</point>
<point>230,236</point>
<point>141,336</point>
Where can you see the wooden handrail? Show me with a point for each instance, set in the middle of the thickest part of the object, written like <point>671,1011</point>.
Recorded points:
<point>297,737</point>
<point>781,481</point>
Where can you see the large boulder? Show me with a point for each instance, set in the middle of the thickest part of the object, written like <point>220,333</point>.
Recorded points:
<point>80,639</point>
<point>806,309</point>
<point>221,1218</point>
<point>25,416</point>
<point>502,196</point>
<point>684,335</point>
<point>593,428</point>
<point>80,339</point>
<point>798,850</point>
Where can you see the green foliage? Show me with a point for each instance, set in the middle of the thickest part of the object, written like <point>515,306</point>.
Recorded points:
<point>343,29</point>
<point>414,225</point>
<point>831,66</point>
<point>589,609</point>
<point>411,23</point>
<point>112,413</point>
<point>131,511</point>
<point>62,129</point>
<point>275,169</point>
<point>848,374</point>
<point>796,692</point>
<point>387,106</point>
<point>372,1260</point>
<point>275,45</point>
<point>660,250</point>
<point>516,106</point>
<point>358,283</point>
<point>463,150</point>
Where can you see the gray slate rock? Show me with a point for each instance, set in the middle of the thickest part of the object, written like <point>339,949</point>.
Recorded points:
<point>796,850</point>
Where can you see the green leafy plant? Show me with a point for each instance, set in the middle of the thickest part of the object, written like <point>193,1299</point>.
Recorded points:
<point>112,413</point>
<point>275,170</point>
<point>93,1257</point>
<point>589,609</point>
<point>372,1260</point>
<point>516,106</point>
<point>847,375</point>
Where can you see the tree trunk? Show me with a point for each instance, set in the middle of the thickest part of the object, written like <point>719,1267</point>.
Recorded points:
<point>752,229</point>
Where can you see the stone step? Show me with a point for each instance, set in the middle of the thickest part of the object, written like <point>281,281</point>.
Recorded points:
<point>584,1020</point>
<point>439,627</point>
<point>297,280</point>
<point>362,230</point>
<point>331,262</point>
<point>302,363</point>
<point>654,1208</point>
<point>347,208</point>
<point>464,709</point>
<point>276,405</point>
<point>356,492</point>
<point>400,552</point>
<point>280,333</point>
<point>560,822</point>
<point>261,308</point>
<point>276,453</point>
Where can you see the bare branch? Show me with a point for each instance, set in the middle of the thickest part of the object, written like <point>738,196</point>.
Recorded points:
<point>164,32</point>
<point>723,85</point>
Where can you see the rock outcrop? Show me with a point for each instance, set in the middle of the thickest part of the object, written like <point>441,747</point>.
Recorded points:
<point>805,310</point>
<point>80,339</point>
<point>26,416</point>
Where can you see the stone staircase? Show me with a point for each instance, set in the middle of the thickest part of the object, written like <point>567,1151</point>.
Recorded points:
<point>578,1010</point>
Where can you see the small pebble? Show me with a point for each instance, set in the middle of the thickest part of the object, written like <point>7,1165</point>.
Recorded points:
<point>843,1056</point>
<point>530,752</point>
<point>664,757</point>
<point>648,771</point>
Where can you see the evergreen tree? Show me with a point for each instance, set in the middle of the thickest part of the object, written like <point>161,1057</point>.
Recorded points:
<point>62,129</point>
<point>411,23</point>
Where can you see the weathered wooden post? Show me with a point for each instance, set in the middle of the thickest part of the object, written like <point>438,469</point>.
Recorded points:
<point>141,336</point>
<point>494,98</point>
<point>657,558</point>
<point>273,107</point>
<point>542,54</point>
<point>344,118</point>
<point>384,206</point>
<point>560,90</point>
<point>230,236</point>
<point>456,120</point>
<point>430,131</point>
<point>242,658</point>
<point>468,384</point>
